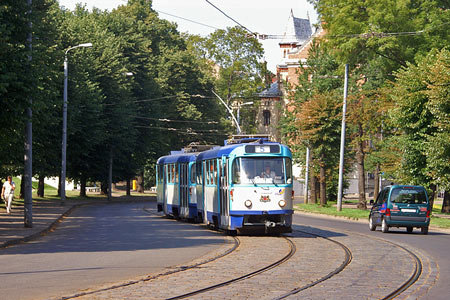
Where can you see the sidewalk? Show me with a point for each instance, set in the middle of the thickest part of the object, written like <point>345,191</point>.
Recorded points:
<point>46,215</point>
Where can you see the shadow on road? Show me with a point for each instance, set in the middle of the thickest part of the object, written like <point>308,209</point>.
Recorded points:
<point>118,227</point>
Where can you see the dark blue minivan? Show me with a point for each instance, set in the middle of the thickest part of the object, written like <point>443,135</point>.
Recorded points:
<point>401,206</point>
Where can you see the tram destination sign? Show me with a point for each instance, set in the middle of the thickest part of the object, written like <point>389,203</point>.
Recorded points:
<point>262,149</point>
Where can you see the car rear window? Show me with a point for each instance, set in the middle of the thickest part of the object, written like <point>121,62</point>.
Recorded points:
<point>408,195</point>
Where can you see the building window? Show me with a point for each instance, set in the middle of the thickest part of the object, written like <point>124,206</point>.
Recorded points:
<point>266,116</point>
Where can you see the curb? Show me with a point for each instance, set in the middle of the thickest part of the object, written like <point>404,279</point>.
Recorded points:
<point>361,221</point>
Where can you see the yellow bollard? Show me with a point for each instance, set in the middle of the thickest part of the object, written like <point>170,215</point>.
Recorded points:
<point>134,185</point>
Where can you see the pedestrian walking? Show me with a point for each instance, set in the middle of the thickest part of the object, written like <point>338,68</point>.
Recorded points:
<point>8,193</point>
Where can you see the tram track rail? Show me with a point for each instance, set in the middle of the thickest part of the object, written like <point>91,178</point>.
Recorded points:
<point>414,277</point>
<point>342,266</point>
<point>234,247</point>
<point>292,250</point>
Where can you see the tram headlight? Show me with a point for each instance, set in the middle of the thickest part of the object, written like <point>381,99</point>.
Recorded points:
<point>282,203</point>
<point>248,203</point>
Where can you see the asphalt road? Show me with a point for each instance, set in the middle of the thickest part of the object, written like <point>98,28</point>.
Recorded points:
<point>96,245</point>
<point>436,244</point>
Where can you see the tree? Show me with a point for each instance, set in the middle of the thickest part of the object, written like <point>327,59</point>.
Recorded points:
<point>318,123</point>
<point>15,84</point>
<point>414,123</point>
<point>438,146</point>
<point>361,31</point>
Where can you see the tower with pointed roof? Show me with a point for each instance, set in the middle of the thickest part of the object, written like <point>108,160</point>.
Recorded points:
<point>297,34</point>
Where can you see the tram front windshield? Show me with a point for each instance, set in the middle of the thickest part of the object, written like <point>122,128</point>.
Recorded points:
<point>262,170</point>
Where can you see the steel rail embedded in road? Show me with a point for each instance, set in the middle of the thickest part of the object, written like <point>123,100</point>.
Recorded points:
<point>345,263</point>
<point>415,274</point>
<point>412,279</point>
<point>408,283</point>
<point>292,250</point>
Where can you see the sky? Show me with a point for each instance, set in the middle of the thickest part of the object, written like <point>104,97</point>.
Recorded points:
<point>261,16</point>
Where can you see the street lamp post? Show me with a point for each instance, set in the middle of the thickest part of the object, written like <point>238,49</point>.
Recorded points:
<point>238,110</point>
<point>238,128</point>
<point>64,130</point>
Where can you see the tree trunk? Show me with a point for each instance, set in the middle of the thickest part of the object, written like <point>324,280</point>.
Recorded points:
<point>432,195</point>
<point>41,186</point>
<point>362,203</point>
<point>376,182</point>
<point>104,188</point>
<point>446,203</point>
<point>128,187</point>
<point>323,186</point>
<point>140,182</point>
<point>312,187</point>
<point>22,188</point>
<point>83,186</point>
<point>59,187</point>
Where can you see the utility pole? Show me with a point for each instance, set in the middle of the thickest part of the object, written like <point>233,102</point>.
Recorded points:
<point>341,158</point>
<point>28,158</point>
<point>110,174</point>
<point>306,176</point>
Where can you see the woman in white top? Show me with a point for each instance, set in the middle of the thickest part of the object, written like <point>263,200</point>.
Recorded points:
<point>8,193</point>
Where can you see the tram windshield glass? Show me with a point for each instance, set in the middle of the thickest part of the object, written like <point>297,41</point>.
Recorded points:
<point>262,170</point>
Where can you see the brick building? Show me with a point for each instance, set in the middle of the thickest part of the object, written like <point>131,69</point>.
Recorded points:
<point>294,48</point>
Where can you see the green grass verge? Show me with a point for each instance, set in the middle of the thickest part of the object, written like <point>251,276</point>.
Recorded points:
<point>350,213</point>
<point>356,214</point>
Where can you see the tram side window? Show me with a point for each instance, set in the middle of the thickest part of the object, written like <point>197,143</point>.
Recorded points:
<point>207,173</point>
<point>193,176</point>
<point>236,172</point>
<point>176,173</point>
<point>198,166</point>
<point>214,172</point>
<point>288,166</point>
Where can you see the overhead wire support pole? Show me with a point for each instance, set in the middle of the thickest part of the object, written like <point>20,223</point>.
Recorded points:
<point>28,158</point>
<point>230,111</point>
<point>341,157</point>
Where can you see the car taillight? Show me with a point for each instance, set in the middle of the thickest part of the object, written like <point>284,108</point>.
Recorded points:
<point>190,190</point>
<point>428,213</point>
<point>388,211</point>
<point>231,195</point>
<point>292,196</point>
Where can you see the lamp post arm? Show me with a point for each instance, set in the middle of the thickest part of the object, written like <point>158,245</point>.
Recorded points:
<point>230,111</point>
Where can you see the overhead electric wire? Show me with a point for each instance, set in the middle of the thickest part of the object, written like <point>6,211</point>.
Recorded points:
<point>192,21</point>
<point>197,132</point>
<point>230,18</point>
<point>387,34</point>
<point>160,98</point>
<point>179,121</point>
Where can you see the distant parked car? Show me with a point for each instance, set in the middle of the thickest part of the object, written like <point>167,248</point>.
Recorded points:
<point>401,206</point>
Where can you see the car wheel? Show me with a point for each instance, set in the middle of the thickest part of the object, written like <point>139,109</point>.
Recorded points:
<point>424,230</point>
<point>372,226</point>
<point>384,226</point>
<point>409,229</point>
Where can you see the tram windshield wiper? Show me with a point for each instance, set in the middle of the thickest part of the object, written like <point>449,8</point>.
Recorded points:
<point>253,180</point>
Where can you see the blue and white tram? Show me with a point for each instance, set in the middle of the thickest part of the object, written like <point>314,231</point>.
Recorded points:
<point>246,185</point>
<point>176,185</point>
